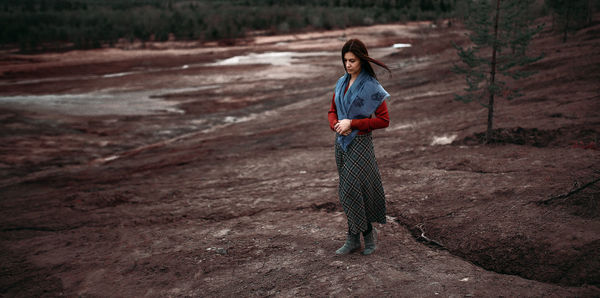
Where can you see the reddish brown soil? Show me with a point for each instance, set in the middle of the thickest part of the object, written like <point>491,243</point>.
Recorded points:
<point>237,196</point>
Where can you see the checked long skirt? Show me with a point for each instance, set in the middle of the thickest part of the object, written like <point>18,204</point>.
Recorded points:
<point>360,189</point>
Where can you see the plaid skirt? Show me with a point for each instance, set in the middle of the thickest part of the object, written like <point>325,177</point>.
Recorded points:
<point>360,189</point>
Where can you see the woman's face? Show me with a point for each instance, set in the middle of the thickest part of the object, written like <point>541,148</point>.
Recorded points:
<point>352,63</point>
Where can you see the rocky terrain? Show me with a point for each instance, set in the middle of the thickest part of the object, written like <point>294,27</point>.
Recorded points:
<point>201,170</point>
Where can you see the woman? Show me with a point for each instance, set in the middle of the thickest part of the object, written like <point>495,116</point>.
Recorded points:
<point>357,96</point>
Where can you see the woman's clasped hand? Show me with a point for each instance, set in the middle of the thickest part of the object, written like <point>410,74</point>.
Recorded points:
<point>343,127</point>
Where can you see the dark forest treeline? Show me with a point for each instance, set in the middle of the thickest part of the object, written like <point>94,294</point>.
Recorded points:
<point>55,24</point>
<point>63,24</point>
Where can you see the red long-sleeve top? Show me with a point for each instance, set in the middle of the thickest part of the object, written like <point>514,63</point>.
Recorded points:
<point>366,125</point>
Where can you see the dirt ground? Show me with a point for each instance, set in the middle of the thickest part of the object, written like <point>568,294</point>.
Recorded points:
<point>171,171</point>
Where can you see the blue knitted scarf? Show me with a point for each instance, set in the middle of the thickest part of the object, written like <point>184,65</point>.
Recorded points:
<point>360,101</point>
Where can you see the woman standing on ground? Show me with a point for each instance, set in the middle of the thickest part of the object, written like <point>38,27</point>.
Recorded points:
<point>357,96</point>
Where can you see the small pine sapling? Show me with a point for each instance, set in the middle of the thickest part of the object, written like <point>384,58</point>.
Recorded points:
<point>505,30</point>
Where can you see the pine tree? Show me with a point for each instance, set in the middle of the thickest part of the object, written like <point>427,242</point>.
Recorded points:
<point>503,30</point>
<point>571,14</point>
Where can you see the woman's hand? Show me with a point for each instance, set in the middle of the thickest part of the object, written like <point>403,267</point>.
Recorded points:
<point>343,127</point>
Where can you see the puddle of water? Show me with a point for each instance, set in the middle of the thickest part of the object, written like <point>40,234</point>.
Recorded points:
<point>273,58</point>
<point>410,62</point>
<point>232,119</point>
<point>403,126</point>
<point>164,92</point>
<point>443,140</point>
<point>94,104</point>
<point>401,45</point>
<point>103,103</point>
<point>120,74</point>
<point>47,80</point>
<point>92,77</point>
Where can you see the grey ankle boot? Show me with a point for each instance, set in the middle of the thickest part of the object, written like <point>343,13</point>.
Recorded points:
<point>370,245</point>
<point>352,244</point>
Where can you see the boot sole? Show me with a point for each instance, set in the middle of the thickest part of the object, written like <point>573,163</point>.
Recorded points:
<point>351,251</point>
<point>367,253</point>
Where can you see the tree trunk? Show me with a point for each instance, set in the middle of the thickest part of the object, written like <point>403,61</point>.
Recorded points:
<point>488,134</point>
<point>590,12</point>
<point>567,19</point>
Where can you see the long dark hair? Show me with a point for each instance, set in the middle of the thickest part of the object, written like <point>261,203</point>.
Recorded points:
<point>359,49</point>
